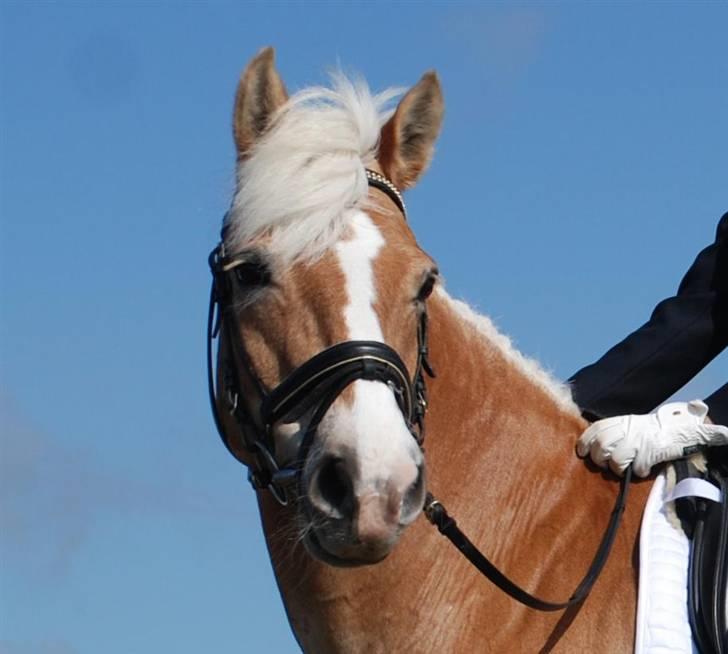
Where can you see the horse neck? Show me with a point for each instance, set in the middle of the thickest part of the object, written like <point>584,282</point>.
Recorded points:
<point>478,369</point>
<point>500,456</point>
<point>501,435</point>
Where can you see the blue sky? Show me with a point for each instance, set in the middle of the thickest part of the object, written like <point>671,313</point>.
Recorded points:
<point>582,165</point>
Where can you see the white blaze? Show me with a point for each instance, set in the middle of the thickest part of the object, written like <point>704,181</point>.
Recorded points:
<point>355,258</point>
<point>373,427</point>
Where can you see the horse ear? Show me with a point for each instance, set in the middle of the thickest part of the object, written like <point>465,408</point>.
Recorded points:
<point>408,137</point>
<point>260,93</point>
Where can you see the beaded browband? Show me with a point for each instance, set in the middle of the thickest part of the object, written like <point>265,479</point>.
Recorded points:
<point>377,180</point>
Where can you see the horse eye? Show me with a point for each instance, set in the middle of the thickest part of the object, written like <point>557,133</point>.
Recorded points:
<point>252,274</point>
<point>426,288</point>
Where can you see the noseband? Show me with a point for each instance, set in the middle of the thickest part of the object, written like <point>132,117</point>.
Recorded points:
<point>309,390</point>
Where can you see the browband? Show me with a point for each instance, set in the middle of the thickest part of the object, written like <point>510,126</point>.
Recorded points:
<point>379,181</point>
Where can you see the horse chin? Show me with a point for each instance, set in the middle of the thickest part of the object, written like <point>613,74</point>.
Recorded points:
<point>343,555</point>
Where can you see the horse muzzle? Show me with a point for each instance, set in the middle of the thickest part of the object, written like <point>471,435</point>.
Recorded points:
<point>354,524</point>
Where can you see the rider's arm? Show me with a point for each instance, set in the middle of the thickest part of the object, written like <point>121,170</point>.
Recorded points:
<point>684,333</point>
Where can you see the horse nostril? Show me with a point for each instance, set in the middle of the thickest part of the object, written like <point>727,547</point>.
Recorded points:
<point>334,488</point>
<point>414,496</point>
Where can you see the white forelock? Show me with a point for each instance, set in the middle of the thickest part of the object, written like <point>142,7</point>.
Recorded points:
<point>307,173</point>
<point>560,392</point>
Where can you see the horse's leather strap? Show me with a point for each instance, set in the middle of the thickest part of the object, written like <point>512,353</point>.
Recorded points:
<point>438,516</point>
<point>707,518</point>
<point>369,360</point>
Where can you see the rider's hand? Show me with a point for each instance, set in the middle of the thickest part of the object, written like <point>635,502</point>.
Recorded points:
<point>673,431</point>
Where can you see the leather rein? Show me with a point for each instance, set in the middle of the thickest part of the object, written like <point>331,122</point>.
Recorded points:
<point>311,389</point>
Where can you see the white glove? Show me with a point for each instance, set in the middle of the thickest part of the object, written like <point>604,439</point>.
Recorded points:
<point>673,431</point>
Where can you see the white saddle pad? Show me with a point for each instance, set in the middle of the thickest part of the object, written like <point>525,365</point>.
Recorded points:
<point>662,610</point>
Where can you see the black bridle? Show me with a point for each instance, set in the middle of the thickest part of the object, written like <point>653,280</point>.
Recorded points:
<point>311,389</point>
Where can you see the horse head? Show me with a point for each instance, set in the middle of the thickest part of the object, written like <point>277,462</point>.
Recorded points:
<point>323,315</point>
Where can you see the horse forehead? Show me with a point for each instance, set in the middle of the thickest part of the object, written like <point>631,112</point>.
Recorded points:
<point>376,248</point>
<point>354,254</point>
<point>401,261</point>
<point>319,282</point>
<point>379,247</point>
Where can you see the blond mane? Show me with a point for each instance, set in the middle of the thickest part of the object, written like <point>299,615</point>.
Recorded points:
<point>557,390</point>
<point>307,174</point>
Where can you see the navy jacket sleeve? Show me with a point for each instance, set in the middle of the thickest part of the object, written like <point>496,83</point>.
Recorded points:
<point>684,333</point>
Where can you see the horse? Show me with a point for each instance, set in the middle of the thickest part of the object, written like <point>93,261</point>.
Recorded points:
<point>340,350</point>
